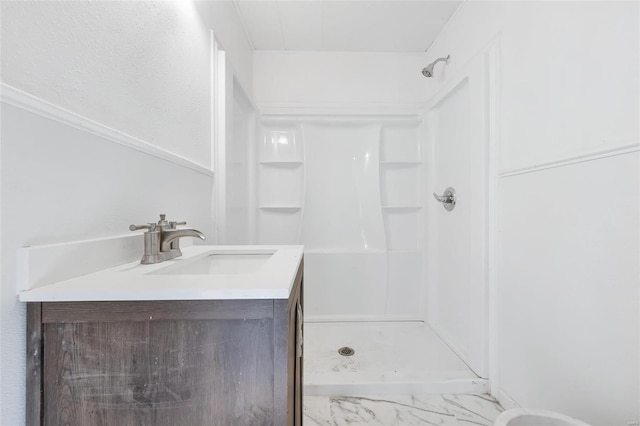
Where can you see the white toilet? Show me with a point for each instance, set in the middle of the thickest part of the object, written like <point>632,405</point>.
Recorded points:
<point>534,417</point>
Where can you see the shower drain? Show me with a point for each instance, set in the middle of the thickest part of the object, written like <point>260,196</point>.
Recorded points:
<point>346,351</point>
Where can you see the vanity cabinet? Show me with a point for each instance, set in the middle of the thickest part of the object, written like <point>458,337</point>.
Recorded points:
<point>201,362</point>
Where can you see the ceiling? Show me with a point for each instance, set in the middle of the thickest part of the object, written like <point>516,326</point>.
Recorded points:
<point>345,26</point>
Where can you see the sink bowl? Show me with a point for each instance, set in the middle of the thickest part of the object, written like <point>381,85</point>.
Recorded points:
<point>217,263</point>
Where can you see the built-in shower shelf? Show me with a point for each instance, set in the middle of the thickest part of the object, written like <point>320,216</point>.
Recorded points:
<point>280,163</point>
<point>402,207</point>
<point>279,207</point>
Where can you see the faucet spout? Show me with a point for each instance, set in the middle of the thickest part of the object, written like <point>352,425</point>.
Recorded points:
<point>162,240</point>
<point>173,234</point>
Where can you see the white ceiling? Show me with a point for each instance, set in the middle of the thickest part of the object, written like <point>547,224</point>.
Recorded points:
<point>337,25</point>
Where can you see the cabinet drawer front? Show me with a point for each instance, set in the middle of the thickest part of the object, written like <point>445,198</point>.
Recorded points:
<point>156,310</point>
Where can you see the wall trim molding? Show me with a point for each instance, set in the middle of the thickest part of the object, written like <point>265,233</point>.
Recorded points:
<point>621,149</point>
<point>28,102</point>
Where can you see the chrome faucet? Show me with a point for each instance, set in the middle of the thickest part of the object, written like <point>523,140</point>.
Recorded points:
<point>162,239</point>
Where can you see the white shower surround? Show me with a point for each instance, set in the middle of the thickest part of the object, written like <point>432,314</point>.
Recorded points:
<point>349,189</point>
<point>358,270</point>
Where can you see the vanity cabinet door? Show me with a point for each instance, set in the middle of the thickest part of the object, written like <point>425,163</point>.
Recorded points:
<point>156,363</point>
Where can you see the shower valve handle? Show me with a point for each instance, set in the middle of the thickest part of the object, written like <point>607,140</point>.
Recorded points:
<point>440,198</point>
<point>448,198</point>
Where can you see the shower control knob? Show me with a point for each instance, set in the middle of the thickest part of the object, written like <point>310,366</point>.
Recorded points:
<point>448,198</point>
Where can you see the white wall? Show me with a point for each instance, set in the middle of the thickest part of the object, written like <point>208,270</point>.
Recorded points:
<point>138,68</point>
<point>568,78</point>
<point>338,79</point>
<point>239,170</point>
<point>151,59</point>
<point>569,290</point>
<point>568,276</point>
<point>223,19</point>
<point>62,184</point>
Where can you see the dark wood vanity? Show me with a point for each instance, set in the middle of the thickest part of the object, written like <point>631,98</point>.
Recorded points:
<point>200,362</point>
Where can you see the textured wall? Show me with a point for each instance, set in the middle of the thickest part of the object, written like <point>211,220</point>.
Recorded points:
<point>139,67</point>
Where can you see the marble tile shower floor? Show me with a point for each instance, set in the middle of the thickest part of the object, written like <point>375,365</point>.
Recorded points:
<point>388,410</point>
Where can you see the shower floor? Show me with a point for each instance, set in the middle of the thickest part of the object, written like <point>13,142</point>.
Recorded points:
<point>390,358</point>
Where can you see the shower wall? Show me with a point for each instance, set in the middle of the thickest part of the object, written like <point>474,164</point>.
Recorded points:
<point>340,171</point>
<point>349,189</point>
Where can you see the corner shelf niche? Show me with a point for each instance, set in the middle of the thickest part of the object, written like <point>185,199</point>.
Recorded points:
<point>279,225</point>
<point>400,143</point>
<point>401,227</point>
<point>280,184</point>
<point>400,187</point>
<point>401,198</point>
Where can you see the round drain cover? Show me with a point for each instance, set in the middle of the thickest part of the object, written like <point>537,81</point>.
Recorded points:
<point>346,351</point>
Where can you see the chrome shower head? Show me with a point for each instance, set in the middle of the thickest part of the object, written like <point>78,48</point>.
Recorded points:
<point>428,70</point>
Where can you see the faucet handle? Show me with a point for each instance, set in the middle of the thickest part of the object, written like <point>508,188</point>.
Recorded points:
<point>174,224</point>
<point>149,226</point>
<point>163,223</point>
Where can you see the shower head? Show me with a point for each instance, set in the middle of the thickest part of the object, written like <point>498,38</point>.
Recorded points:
<point>428,70</point>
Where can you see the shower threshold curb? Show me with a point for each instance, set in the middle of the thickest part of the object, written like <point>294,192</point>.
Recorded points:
<point>457,386</point>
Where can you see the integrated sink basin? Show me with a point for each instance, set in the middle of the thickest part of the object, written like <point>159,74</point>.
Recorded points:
<point>217,263</point>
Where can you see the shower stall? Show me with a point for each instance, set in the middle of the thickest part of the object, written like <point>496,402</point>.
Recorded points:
<point>391,277</point>
<point>352,190</point>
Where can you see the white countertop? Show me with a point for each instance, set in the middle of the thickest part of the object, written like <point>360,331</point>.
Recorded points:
<point>133,281</point>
